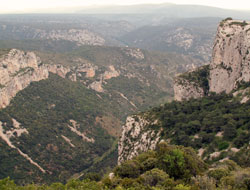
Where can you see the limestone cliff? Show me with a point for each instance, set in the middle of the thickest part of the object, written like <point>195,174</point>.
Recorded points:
<point>183,92</point>
<point>231,58</point>
<point>230,64</point>
<point>17,70</point>
<point>192,84</point>
<point>136,137</point>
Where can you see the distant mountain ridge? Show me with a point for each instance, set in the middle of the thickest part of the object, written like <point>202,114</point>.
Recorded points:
<point>169,10</point>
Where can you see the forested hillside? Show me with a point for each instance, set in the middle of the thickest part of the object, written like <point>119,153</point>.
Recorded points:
<point>168,167</point>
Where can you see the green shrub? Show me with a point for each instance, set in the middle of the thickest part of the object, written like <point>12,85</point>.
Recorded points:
<point>129,169</point>
<point>223,145</point>
<point>7,184</point>
<point>149,164</point>
<point>182,187</point>
<point>57,186</point>
<point>155,177</point>
<point>179,162</point>
<point>93,176</point>
<point>218,173</point>
<point>204,182</point>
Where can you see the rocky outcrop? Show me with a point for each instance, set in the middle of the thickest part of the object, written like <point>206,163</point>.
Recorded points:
<point>184,90</point>
<point>17,70</point>
<point>230,63</point>
<point>231,56</point>
<point>134,53</point>
<point>136,137</point>
<point>193,84</point>
<point>230,66</point>
<point>79,36</point>
<point>110,73</point>
<point>59,70</point>
<point>87,68</point>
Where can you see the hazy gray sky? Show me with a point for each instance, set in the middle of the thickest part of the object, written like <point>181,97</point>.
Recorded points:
<point>13,6</point>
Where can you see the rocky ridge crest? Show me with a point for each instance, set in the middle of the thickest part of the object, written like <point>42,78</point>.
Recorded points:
<point>230,64</point>
<point>17,70</point>
<point>229,68</point>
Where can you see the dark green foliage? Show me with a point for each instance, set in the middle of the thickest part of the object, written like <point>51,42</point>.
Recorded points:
<point>45,109</point>
<point>7,184</point>
<point>93,176</point>
<point>155,177</point>
<point>218,173</point>
<point>225,175</point>
<point>177,162</point>
<point>46,124</point>
<point>243,156</point>
<point>242,139</point>
<point>129,169</point>
<point>228,18</point>
<point>223,145</point>
<point>197,123</point>
<point>242,24</point>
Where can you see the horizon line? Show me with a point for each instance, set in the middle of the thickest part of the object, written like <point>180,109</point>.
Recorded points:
<point>73,9</point>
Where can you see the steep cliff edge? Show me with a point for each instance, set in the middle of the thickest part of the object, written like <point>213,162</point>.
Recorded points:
<point>207,122</point>
<point>231,56</point>
<point>229,67</point>
<point>17,70</point>
<point>192,84</point>
<point>137,137</point>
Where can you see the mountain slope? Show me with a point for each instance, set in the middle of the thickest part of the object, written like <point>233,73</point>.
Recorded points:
<point>67,122</point>
<point>188,36</point>
<point>216,124</point>
<point>61,134</point>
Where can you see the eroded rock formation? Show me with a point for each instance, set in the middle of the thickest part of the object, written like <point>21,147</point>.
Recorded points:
<point>230,64</point>
<point>17,70</point>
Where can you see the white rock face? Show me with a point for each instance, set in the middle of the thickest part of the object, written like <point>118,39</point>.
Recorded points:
<point>231,56</point>
<point>109,74</point>
<point>59,70</point>
<point>17,70</point>
<point>87,68</point>
<point>186,90</point>
<point>230,62</point>
<point>112,73</point>
<point>136,138</point>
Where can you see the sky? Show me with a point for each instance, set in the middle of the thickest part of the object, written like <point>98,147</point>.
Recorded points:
<point>22,6</point>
